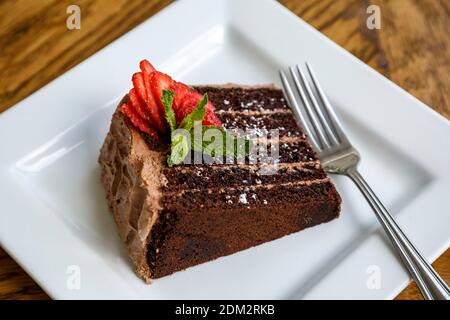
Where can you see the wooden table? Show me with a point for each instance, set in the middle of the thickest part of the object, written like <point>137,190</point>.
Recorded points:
<point>412,48</point>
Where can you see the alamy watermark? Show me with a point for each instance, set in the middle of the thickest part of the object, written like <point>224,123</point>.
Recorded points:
<point>73,21</point>
<point>374,19</point>
<point>373,281</point>
<point>73,281</point>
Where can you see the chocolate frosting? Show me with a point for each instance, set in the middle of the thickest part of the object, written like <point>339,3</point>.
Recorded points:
<point>131,175</point>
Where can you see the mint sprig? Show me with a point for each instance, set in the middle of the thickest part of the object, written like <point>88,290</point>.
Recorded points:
<point>167,100</point>
<point>190,134</point>
<point>179,149</point>
<point>179,142</point>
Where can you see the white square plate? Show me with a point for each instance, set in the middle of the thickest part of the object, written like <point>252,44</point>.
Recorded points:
<point>53,212</point>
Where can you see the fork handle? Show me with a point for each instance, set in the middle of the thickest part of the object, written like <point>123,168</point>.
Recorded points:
<point>428,281</point>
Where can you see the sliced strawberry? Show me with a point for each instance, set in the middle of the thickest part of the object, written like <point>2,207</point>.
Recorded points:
<point>195,96</point>
<point>137,121</point>
<point>151,102</point>
<point>139,86</point>
<point>145,98</point>
<point>180,90</point>
<point>138,105</point>
<point>185,105</point>
<point>147,86</point>
<point>176,86</point>
<point>156,115</point>
<point>211,119</point>
<point>159,81</point>
<point>145,109</point>
<point>146,67</point>
<point>188,104</point>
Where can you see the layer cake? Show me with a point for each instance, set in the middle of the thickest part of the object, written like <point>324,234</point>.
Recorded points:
<point>172,218</point>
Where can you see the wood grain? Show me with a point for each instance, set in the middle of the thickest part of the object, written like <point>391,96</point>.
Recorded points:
<point>36,46</point>
<point>412,48</point>
<point>416,42</point>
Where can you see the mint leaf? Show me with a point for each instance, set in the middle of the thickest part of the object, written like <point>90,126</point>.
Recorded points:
<point>196,115</point>
<point>197,134</point>
<point>167,100</point>
<point>179,149</point>
<point>209,140</point>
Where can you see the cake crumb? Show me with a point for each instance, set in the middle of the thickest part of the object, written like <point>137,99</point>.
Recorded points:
<point>264,201</point>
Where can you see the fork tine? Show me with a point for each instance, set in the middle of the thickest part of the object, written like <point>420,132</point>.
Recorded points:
<point>297,111</point>
<point>318,109</point>
<point>329,111</point>
<point>310,111</point>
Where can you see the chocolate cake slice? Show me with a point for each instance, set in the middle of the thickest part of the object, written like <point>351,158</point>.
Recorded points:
<point>172,218</point>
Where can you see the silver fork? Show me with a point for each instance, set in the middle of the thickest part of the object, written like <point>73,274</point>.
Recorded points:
<point>337,155</point>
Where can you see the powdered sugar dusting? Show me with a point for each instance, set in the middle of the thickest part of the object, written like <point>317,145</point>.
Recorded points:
<point>243,198</point>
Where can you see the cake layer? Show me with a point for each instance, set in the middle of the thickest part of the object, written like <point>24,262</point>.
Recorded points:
<point>199,236</point>
<point>290,152</point>
<point>261,123</point>
<point>224,176</point>
<point>232,98</point>
<point>249,197</point>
